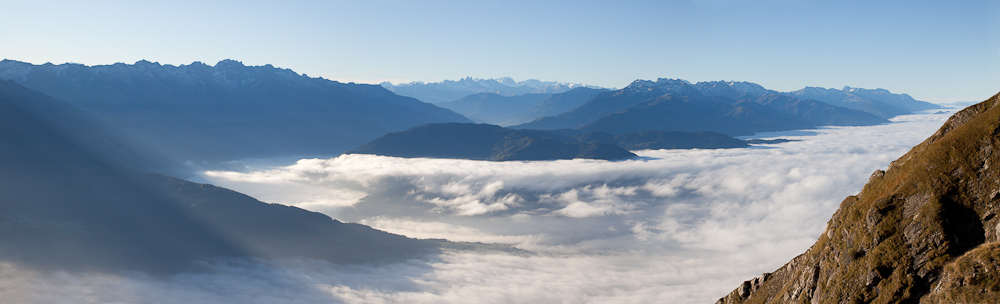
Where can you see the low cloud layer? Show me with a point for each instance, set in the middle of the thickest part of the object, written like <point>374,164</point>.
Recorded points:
<point>680,226</point>
<point>688,198</point>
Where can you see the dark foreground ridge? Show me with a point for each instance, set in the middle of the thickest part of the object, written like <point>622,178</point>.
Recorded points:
<point>923,231</point>
<point>490,142</point>
<point>486,142</point>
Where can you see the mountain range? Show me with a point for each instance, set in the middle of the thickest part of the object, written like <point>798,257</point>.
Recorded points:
<point>809,107</point>
<point>924,230</point>
<point>879,102</point>
<point>228,111</point>
<point>491,108</point>
<point>676,105</point>
<point>201,113</point>
<point>449,90</point>
<point>73,197</point>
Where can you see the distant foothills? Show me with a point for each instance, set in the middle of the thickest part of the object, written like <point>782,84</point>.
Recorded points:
<point>200,113</point>
<point>87,150</point>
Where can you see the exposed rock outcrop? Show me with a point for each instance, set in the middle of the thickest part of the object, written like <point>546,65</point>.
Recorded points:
<point>923,231</point>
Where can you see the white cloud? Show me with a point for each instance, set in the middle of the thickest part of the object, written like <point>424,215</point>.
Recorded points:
<point>680,226</point>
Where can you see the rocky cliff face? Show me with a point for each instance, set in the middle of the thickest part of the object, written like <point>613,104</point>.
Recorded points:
<point>923,231</point>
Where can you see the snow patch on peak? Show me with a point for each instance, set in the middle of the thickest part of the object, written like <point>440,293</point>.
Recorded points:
<point>229,63</point>
<point>642,83</point>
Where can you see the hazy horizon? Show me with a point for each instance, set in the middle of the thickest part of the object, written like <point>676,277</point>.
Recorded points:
<point>782,45</point>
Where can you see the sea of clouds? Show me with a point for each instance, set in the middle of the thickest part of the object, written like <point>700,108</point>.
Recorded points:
<point>678,226</point>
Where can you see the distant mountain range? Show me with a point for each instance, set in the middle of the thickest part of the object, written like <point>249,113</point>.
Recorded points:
<point>676,105</point>
<point>229,111</point>
<point>815,106</point>
<point>924,230</point>
<point>557,104</point>
<point>879,102</point>
<point>70,199</point>
<point>449,90</point>
<point>503,110</point>
<point>492,108</point>
<point>490,142</point>
<point>816,112</point>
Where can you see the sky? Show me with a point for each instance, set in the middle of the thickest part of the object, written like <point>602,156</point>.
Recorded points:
<point>936,51</point>
<point>674,226</point>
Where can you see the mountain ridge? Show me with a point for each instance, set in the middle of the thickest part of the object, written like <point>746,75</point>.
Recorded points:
<point>485,142</point>
<point>495,143</point>
<point>492,108</point>
<point>229,111</point>
<point>923,230</point>
<point>448,90</point>
<point>66,203</point>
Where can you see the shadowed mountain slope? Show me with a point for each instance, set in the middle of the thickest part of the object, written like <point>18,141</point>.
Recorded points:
<point>665,140</point>
<point>897,100</point>
<point>229,111</point>
<point>816,112</point>
<point>70,200</point>
<point>733,108</point>
<point>557,104</point>
<point>924,230</point>
<point>670,112</point>
<point>847,99</point>
<point>610,102</point>
<point>879,102</point>
<point>485,142</point>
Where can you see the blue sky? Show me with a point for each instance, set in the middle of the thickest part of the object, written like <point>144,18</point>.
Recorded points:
<point>934,50</point>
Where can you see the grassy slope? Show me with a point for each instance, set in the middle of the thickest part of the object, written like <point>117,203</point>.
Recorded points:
<point>922,231</point>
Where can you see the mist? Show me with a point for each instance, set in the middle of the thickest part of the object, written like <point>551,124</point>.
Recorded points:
<point>680,226</point>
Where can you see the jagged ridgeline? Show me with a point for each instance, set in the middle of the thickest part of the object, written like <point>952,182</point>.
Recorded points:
<point>923,231</point>
<point>228,111</point>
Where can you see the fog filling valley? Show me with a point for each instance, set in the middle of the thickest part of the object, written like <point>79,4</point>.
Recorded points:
<point>680,226</point>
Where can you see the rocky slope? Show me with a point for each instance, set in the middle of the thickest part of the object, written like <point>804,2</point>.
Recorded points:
<point>923,231</point>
